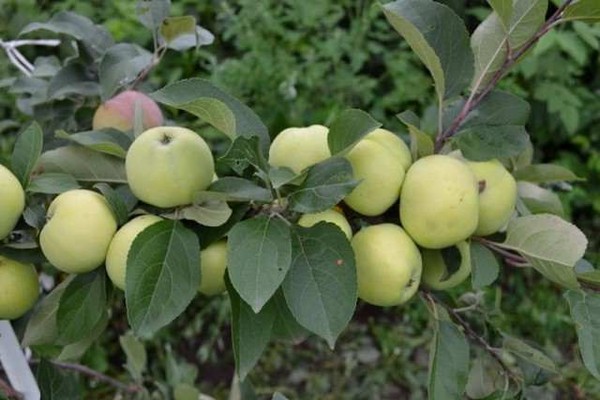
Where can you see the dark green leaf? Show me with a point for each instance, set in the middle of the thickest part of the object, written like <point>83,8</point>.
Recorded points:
<point>483,143</point>
<point>545,173</point>
<point>285,326</point>
<point>281,176</point>
<point>163,274</point>
<point>259,256</point>
<point>320,288</point>
<point>586,10</point>
<point>484,266</point>
<point>421,144</point>
<point>326,184</point>
<point>56,384</point>
<point>250,332</point>
<point>83,164</point>
<point>242,153</point>
<point>109,141</point>
<point>72,80</point>
<point>208,213</point>
<point>117,206</point>
<point>348,128</point>
<point>52,183</point>
<point>528,353</point>
<point>152,12</point>
<point>539,200</point>
<point>82,306</point>
<point>499,109</point>
<point>27,151</point>
<point>238,189</point>
<point>211,104</point>
<point>120,66</point>
<point>485,378</point>
<point>585,311</point>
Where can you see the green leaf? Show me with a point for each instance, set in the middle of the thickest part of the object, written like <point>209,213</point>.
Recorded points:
<point>326,184</point>
<point>56,384</point>
<point>184,391</point>
<point>163,274</point>
<point>109,141</point>
<point>76,350</point>
<point>137,358</point>
<point>52,183</point>
<point>278,396</point>
<point>320,288</point>
<point>178,371</point>
<point>285,326</point>
<point>484,266</point>
<point>499,109</point>
<point>120,66</point>
<point>348,128</point>
<point>439,37</point>
<point>421,144</point>
<point>539,200</point>
<point>551,244</point>
<point>211,213</point>
<point>27,151</point>
<point>82,306</point>
<point>152,12</point>
<point>483,143</point>
<point>116,203</point>
<point>182,33</point>
<point>242,153</point>
<point>585,311</point>
<point>448,358</point>
<point>585,10</point>
<point>528,353</point>
<point>281,176</point>
<point>250,332</point>
<point>239,189</point>
<point>224,112</point>
<point>545,173</point>
<point>485,378</point>
<point>504,9</point>
<point>83,164</point>
<point>259,256</point>
<point>95,37</point>
<point>72,80</point>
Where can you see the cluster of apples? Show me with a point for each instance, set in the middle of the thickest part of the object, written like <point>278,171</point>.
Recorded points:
<point>165,167</point>
<point>444,200</point>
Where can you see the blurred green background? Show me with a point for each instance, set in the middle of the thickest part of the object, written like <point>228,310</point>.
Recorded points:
<point>299,62</point>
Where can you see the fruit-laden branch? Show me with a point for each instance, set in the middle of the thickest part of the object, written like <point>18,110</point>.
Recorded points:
<point>477,95</point>
<point>474,336</point>
<point>8,390</point>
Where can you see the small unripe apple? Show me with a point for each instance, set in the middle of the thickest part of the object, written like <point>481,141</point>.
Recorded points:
<point>436,271</point>
<point>497,196</point>
<point>381,172</point>
<point>19,288</point>
<point>167,166</point>
<point>119,112</point>
<point>388,265</point>
<point>393,144</point>
<point>79,230</point>
<point>12,201</point>
<point>118,250</point>
<point>213,263</point>
<point>439,202</point>
<point>299,148</point>
<point>332,215</point>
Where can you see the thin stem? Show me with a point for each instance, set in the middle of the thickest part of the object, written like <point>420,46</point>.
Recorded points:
<point>156,58</point>
<point>514,259</point>
<point>476,96</point>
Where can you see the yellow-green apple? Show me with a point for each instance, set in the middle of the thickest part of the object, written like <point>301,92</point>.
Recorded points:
<point>388,265</point>
<point>19,288</point>
<point>439,202</point>
<point>119,112</point>
<point>497,195</point>
<point>213,262</point>
<point>331,215</point>
<point>166,166</point>
<point>118,250</point>
<point>12,201</point>
<point>436,272</point>
<point>378,162</point>
<point>299,148</point>
<point>78,231</point>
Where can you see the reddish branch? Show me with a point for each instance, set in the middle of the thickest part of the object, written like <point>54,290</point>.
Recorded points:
<point>511,59</point>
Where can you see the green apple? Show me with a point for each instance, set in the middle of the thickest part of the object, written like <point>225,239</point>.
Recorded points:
<point>78,232</point>
<point>388,265</point>
<point>380,171</point>
<point>436,274</point>
<point>19,288</point>
<point>119,112</point>
<point>332,215</point>
<point>439,202</point>
<point>213,263</point>
<point>12,201</point>
<point>394,144</point>
<point>299,148</point>
<point>167,166</point>
<point>497,196</point>
<point>116,257</point>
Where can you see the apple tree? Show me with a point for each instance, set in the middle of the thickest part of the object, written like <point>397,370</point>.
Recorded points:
<point>296,227</point>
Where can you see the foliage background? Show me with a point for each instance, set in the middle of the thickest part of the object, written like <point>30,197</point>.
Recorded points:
<point>298,62</point>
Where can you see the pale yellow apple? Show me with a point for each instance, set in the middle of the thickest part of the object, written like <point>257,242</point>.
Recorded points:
<point>331,215</point>
<point>213,263</point>
<point>380,172</point>
<point>299,148</point>
<point>439,202</point>
<point>393,144</point>
<point>435,269</point>
<point>388,265</point>
<point>119,112</point>
<point>78,232</point>
<point>167,166</point>
<point>118,250</point>
<point>497,196</point>
<point>12,201</point>
<point>19,288</point>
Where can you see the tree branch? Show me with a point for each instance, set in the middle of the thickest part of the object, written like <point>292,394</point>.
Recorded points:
<point>477,96</point>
